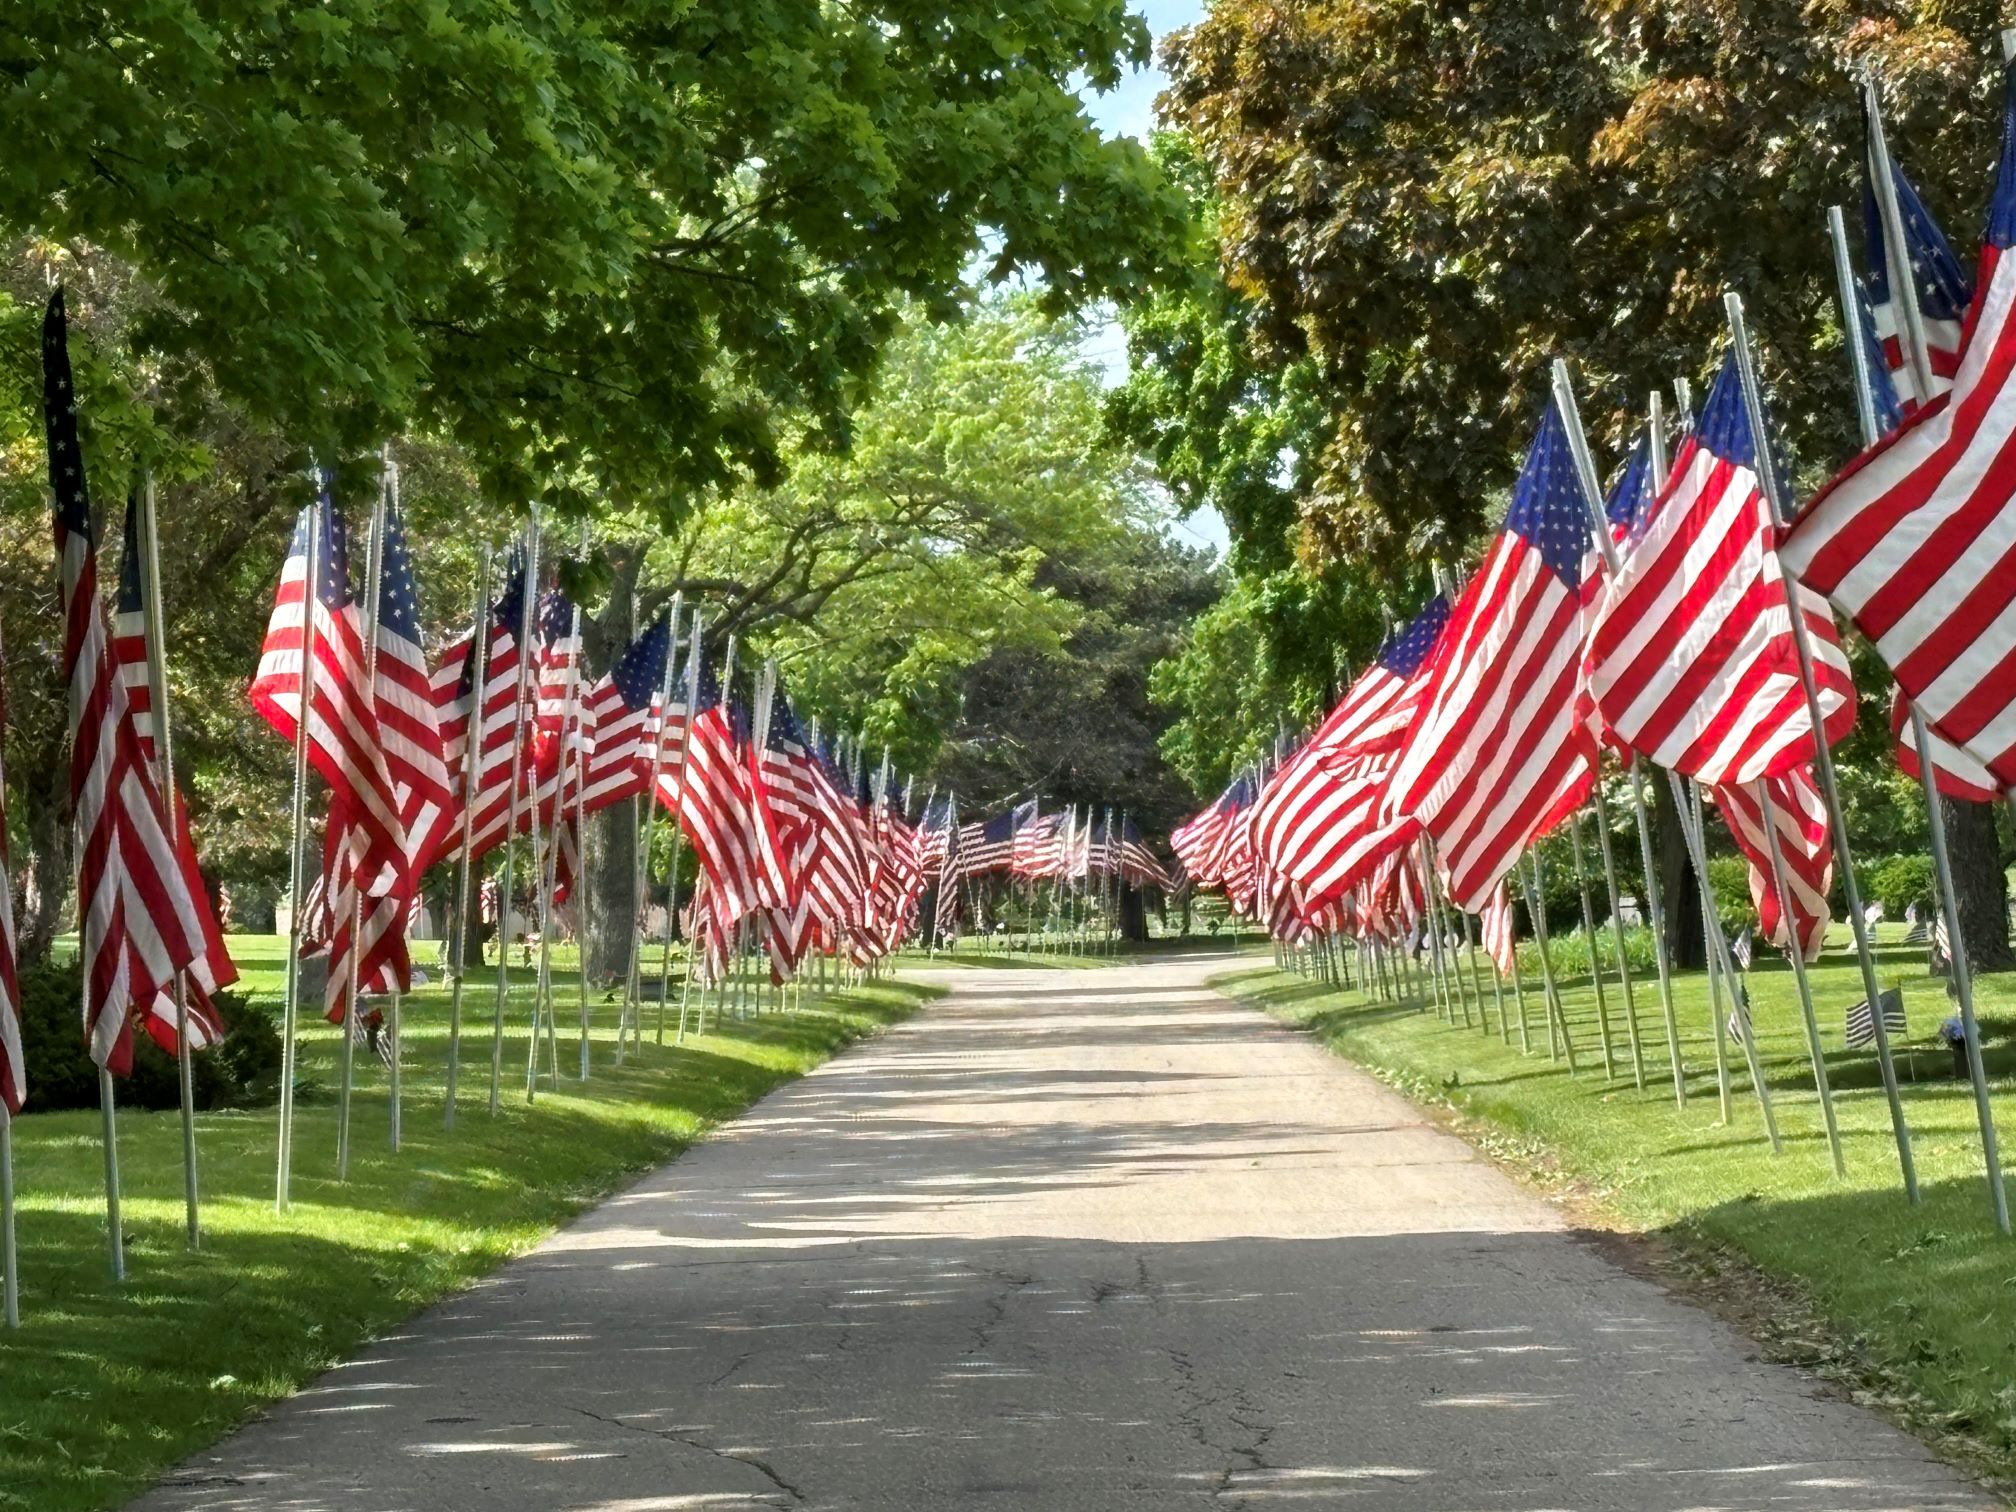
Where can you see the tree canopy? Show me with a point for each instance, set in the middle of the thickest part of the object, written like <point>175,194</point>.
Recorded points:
<point>615,252</point>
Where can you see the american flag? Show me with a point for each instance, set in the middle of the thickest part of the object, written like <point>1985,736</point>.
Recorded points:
<point>1806,845</point>
<point>1631,492</point>
<point>1036,851</point>
<point>1199,838</point>
<point>1140,866</point>
<point>1335,835</point>
<point>1914,539</point>
<point>13,1068</point>
<point>1496,926</point>
<point>343,739</point>
<point>138,923</point>
<point>989,845</point>
<point>559,736</point>
<point>213,968</point>
<point>945,917</point>
<point>1944,291</point>
<point>1859,1024</point>
<point>834,868</point>
<point>1957,773</point>
<point>934,832</point>
<point>1691,659</point>
<point>1498,754</point>
<point>618,714</point>
<point>715,803</point>
<point>1742,948</point>
<point>404,716</point>
<point>452,686</point>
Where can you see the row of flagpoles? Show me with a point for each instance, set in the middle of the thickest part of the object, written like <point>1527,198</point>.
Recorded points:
<point>1682,621</point>
<point>805,849</point>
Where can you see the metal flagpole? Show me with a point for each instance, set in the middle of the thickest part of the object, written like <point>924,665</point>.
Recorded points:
<point>505,899</point>
<point>647,831</point>
<point>1599,527</point>
<point>1476,976</point>
<point>1740,1007</point>
<point>1452,978</point>
<point>291,1009</point>
<point>10,1265</point>
<point>1595,954</point>
<point>478,662</point>
<point>392,1040</point>
<point>171,802</point>
<point>1823,759</point>
<point>1557,1017</point>
<point>1617,927</point>
<point>1689,793</point>
<point>678,835</point>
<point>1445,1008</point>
<point>583,894</point>
<point>352,1007</point>
<point>1963,981</point>
<point>1796,951</point>
<point>543,1006</point>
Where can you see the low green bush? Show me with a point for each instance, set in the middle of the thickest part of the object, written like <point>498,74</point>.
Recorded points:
<point>1899,881</point>
<point>240,1072</point>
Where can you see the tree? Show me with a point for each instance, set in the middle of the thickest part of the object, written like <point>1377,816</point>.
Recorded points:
<point>983,541</point>
<point>610,250</point>
<point>1431,203</point>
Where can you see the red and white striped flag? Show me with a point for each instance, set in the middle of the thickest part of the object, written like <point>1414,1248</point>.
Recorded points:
<point>1916,539</point>
<point>138,923</point>
<point>1498,755</point>
<point>453,692</point>
<point>1942,287</point>
<point>621,718</point>
<point>715,803</point>
<point>343,740</point>
<point>1691,659</point>
<point>1806,845</point>
<point>1320,827</point>
<point>1957,774</point>
<point>1495,925</point>
<point>213,968</point>
<point>403,714</point>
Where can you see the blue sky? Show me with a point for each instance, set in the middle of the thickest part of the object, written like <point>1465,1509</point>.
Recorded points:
<point>1130,110</point>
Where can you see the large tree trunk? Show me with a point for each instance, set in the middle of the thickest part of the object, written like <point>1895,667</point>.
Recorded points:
<point>1680,892</point>
<point>50,880</point>
<point>609,856</point>
<point>609,848</point>
<point>1133,915</point>
<point>1979,883</point>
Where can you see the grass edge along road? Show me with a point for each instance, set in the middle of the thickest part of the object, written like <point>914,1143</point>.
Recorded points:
<point>1911,1310</point>
<point>106,1386</point>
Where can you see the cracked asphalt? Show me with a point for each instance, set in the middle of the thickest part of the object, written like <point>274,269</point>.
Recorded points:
<point>1068,1240</point>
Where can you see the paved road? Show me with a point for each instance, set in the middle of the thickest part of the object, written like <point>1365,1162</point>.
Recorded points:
<point>1068,1240</point>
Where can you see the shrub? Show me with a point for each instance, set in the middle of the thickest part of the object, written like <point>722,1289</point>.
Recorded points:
<point>242,1071</point>
<point>1730,876</point>
<point>1897,882</point>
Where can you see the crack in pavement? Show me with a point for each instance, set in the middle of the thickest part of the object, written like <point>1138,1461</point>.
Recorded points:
<point>997,1305</point>
<point>737,1457</point>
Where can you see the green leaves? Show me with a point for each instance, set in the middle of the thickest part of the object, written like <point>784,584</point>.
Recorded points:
<point>612,248</point>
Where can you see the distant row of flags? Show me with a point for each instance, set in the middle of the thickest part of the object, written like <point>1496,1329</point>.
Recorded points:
<point>1682,621</point>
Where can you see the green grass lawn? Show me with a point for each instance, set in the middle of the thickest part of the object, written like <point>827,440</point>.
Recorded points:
<point>1918,1305</point>
<point>107,1385</point>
